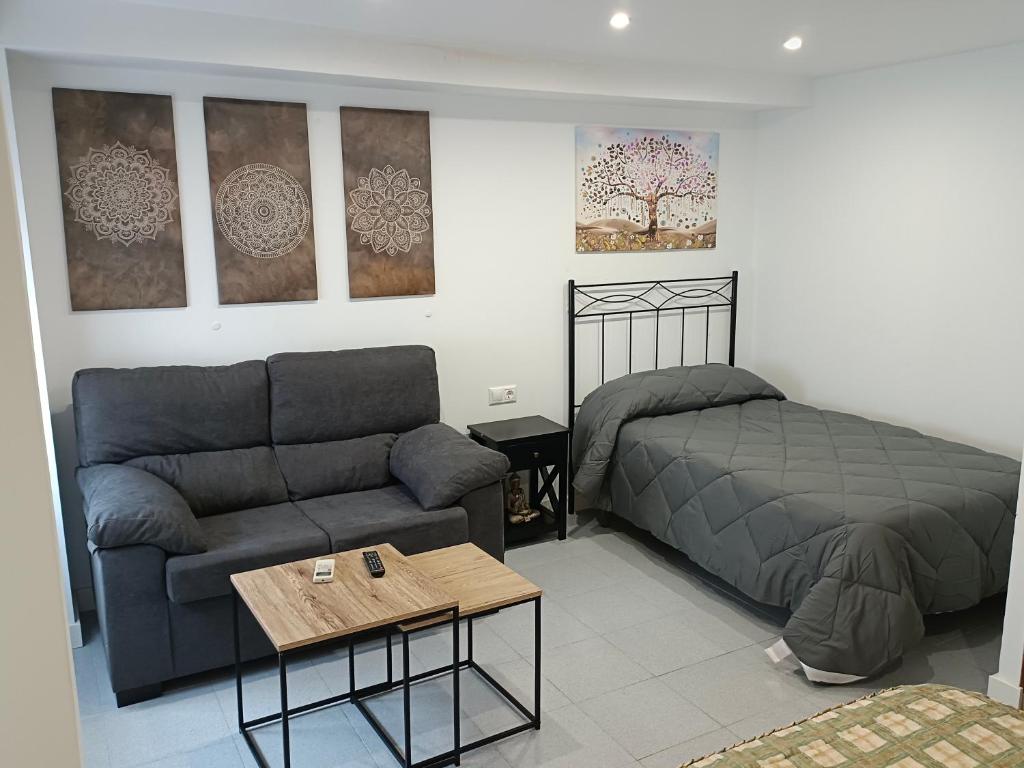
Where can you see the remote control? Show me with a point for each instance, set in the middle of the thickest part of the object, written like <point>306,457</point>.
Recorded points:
<point>323,571</point>
<point>373,563</point>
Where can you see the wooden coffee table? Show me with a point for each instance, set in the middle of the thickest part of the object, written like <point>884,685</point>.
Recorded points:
<point>296,614</point>
<point>417,592</point>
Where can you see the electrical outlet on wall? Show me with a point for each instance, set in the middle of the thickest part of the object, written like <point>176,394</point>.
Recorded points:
<point>501,395</point>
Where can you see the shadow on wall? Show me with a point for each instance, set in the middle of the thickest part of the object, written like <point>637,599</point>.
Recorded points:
<point>66,454</point>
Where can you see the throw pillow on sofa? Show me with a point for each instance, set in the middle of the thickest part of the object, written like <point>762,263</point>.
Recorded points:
<point>440,465</point>
<point>126,506</point>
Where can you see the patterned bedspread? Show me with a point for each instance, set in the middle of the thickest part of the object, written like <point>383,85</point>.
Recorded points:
<point>924,726</point>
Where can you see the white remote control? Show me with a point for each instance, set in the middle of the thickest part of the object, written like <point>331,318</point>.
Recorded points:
<point>323,571</point>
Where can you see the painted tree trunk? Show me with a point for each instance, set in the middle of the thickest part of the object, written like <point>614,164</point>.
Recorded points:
<point>652,215</point>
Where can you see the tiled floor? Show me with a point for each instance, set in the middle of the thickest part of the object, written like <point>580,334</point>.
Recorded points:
<point>643,665</point>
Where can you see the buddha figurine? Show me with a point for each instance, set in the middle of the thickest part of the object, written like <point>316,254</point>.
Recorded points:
<point>517,505</point>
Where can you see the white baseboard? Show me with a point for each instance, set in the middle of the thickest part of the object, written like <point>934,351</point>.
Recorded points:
<point>1004,691</point>
<point>75,634</point>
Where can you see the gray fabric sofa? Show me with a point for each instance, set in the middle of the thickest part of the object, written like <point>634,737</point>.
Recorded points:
<point>276,460</point>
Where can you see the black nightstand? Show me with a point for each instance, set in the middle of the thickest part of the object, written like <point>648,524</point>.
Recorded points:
<point>540,446</point>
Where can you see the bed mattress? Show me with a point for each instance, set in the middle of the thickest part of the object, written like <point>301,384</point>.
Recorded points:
<point>856,526</point>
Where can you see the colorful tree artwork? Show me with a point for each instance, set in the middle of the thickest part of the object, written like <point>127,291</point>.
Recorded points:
<point>642,190</point>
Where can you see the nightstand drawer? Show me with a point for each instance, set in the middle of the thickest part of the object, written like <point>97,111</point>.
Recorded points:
<point>534,453</point>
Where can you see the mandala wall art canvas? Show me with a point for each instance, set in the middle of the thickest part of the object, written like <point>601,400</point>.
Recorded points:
<point>119,189</point>
<point>388,202</point>
<point>258,154</point>
<point>645,190</point>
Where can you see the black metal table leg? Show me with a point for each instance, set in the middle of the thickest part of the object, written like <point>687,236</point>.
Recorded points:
<point>469,638</point>
<point>562,510</point>
<point>238,658</point>
<point>351,667</point>
<point>536,662</point>
<point>283,665</point>
<point>405,700</point>
<point>390,664</point>
<point>456,711</point>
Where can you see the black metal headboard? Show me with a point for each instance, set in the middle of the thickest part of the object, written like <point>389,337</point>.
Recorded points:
<point>610,304</point>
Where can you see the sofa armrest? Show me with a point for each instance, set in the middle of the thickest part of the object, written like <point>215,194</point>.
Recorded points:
<point>485,513</point>
<point>131,605</point>
<point>125,506</point>
<point>440,465</point>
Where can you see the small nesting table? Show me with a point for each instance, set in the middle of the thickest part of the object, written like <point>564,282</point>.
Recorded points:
<point>417,592</point>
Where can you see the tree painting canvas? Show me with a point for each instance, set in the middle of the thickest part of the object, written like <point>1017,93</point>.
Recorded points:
<point>645,190</point>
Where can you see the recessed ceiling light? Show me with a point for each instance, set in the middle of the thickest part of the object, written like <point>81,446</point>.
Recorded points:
<point>793,44</point>
<point>619,20</point>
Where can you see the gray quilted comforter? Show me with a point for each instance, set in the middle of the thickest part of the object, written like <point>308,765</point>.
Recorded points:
<point>856,526</point>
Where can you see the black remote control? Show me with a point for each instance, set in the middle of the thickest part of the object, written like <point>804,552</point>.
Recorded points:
<point>373,563</point>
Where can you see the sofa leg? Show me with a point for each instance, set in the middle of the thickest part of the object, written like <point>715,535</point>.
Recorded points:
<point>135,695</point>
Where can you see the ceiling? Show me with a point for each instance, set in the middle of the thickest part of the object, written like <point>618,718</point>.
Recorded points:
<point>741,35</point>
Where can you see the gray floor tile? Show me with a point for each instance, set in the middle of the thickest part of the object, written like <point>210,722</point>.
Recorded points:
<point>738,685</point>
<point>723,618</point>
<point>609,608</point>
<point>537,553</point>
<point>558,627</point>
<point>647,717</point>
<point>434,647</point>
<point>320,739</point>
<point>589,668</point>
<point>778,716</point>
<point>94,742</point>
<point>222,754</point>
<point>679,754</point>
<point>665,644</point>
<point>566,577</point>
<point>179,720</point>
<point>261,689</point>
<point>670,594</point>
<point>567,739</point>
<point>431,709</point>
<point>517,677</point>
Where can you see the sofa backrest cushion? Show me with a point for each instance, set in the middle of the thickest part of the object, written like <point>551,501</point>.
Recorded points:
<point>121,414</point>
<point>214,482</point>
<point>317,397</point>
<point>338,466</point>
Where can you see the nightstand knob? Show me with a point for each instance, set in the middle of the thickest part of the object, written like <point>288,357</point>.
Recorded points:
<point>536,454</point>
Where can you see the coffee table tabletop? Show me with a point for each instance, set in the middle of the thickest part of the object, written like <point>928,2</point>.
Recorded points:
<point>478,581</point>
<point>295,612</point>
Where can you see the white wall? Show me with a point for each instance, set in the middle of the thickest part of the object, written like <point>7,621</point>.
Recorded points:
<point>38,717</point>
<point>888,245</point>
<point>503,217</point>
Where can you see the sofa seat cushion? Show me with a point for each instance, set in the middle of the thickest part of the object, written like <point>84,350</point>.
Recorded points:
<point>386,515</point>
<point>243,541</point>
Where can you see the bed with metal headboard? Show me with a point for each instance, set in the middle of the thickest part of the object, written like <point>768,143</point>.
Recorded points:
<point>704,300</point>
<point>856,527</point>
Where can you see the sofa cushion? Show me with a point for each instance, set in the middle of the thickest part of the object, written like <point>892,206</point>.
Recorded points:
<point>441,465</point>
<point>215,482</point>
<point>321,396</point>
<point>243,541</point>
<point>124,413</point>
<point>386,515</point>
<point>339,466</point>
<point>125,506</point>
